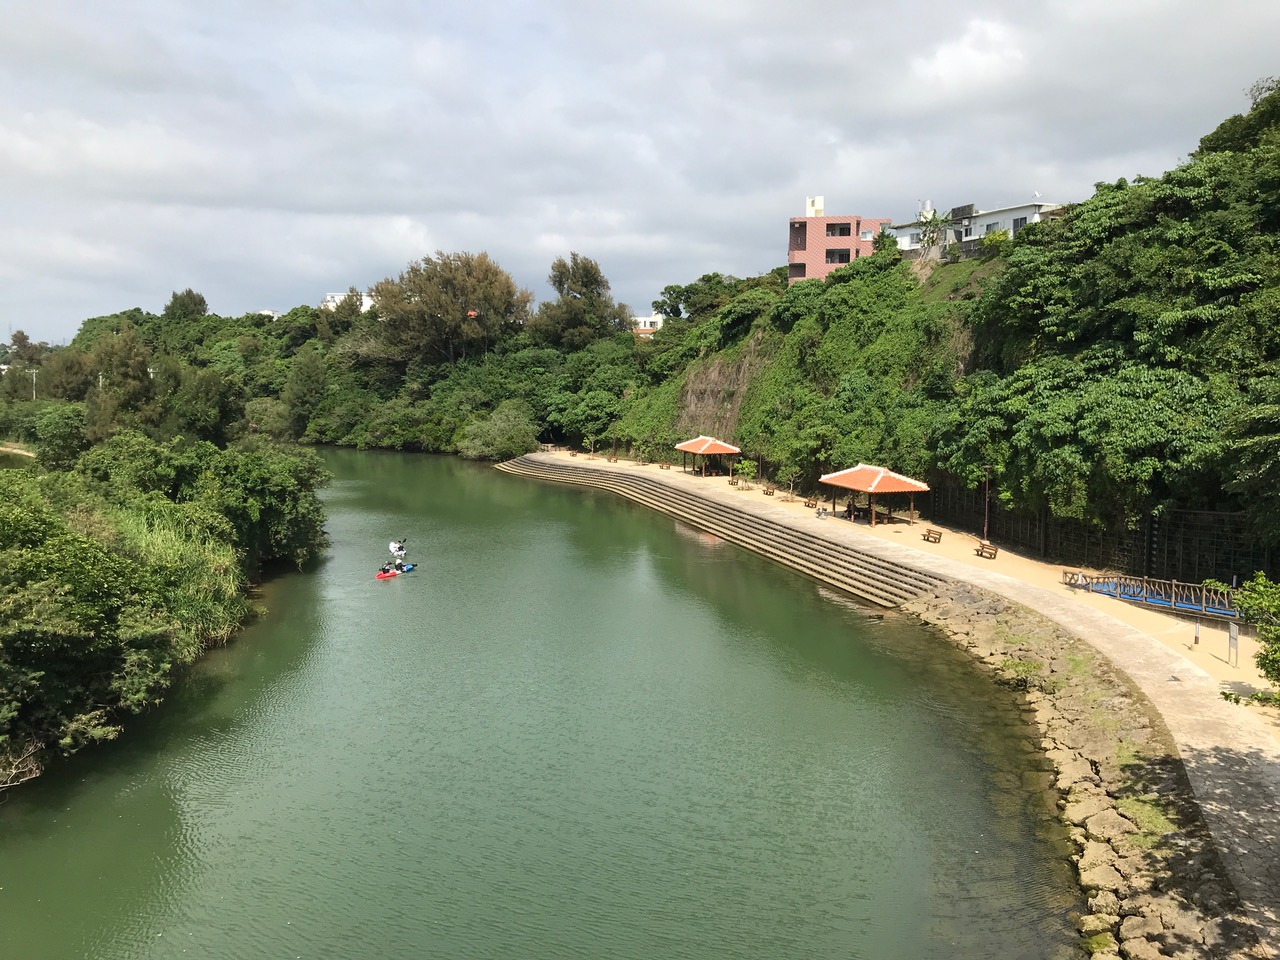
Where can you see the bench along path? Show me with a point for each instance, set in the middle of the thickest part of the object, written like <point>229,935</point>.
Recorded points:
<point>1231,757</point>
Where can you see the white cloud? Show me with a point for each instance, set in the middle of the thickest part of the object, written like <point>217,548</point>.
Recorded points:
<point>988,55</point>
<point>267,153</point>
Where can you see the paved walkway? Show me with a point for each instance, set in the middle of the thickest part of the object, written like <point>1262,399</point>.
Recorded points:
<point>1231,752</point>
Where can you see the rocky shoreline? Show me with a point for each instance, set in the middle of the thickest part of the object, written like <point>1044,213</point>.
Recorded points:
<point>1153,881</point>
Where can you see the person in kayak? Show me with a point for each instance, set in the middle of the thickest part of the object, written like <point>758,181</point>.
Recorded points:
<point>397,549</point>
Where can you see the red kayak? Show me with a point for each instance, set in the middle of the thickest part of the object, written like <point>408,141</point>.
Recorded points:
<point>388,574</point>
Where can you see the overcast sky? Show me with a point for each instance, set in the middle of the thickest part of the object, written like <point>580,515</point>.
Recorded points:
<point>264,153</point>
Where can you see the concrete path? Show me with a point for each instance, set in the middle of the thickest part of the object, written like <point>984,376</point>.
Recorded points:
<point>1231,753</point>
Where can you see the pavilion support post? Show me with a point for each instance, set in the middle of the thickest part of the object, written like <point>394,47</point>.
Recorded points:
<point>871,500</point>
<point>911,517</point>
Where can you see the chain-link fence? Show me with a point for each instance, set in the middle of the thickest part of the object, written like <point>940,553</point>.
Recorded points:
<point>1186,545</point>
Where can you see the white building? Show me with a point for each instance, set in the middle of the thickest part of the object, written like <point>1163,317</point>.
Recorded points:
<point>645,326</point>
<point>967,225</point>
<point>331,301</point>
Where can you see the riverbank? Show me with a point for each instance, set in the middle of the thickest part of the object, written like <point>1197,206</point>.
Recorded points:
<point>1169,792</point>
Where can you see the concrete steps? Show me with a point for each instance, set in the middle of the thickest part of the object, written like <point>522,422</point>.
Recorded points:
<point>882,582</point>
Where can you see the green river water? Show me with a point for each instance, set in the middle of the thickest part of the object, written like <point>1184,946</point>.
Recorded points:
<point>578,730</point>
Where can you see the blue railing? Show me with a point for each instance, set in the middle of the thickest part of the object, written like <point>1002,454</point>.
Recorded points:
<point>1173,596</point>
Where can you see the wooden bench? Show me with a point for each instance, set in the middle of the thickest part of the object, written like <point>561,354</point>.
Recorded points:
<point>573,453</point>
<point>664,465</point>
<point>733,481</point>
<point>613,459</point>
<point>768,491</point>
<point>811,502</point>
<point>987,551</point>
<point>932,535</point>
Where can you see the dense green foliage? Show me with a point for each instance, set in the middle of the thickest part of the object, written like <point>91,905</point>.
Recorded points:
<point>116,572</point>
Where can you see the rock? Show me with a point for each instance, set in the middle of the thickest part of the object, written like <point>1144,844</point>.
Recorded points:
<point>1131,868</point>
<point>1102,877</point>
<point>1094,923</point>
<point>1078,811</point>
<point>1075,771</point>
<point>1138,949</point>
<point>1104,901</point>
<point>1132,928</point>
<point>1095,854</point>
<point>1142,905</point>
<point>1108,825</point>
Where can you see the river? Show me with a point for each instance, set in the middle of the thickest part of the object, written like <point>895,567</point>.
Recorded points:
<point>578,730</point>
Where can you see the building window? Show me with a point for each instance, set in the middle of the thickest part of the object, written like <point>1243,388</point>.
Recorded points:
<point>992,227</point>
<point>839,230</point>
<point>968,231</point>
<point>795,271</point>
<point>913,239</point>
<point>866,235</point>
<point>838,255</point>
<point>1018,224</point>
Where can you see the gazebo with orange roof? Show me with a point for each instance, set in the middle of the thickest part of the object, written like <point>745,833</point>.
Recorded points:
<point>871,480</point>
<point>705,446</point>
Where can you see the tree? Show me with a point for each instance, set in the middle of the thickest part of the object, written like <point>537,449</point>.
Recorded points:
<point>508,432</point>
<point>331,324</point>
<point>931,225</point>
<point>25,353</point>
<point>995,244</point>
<point>206,405</point>
<point>697,300</point>
<point>583,310</point>
<point>443,310</point>
<point>184,307</point>
<point>122,387</point>
<point>886,242</point>
<point>789,473</point>
<point>304,388</point>
<point>1258,601</point>
<point>60,436</point>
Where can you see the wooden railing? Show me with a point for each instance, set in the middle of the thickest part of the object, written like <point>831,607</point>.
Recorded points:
<point>1188,599</point>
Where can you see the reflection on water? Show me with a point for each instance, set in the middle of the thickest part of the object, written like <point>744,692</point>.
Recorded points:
<point>576,730</point>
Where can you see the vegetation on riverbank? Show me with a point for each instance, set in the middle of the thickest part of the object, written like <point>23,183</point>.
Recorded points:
<point>119,571</point>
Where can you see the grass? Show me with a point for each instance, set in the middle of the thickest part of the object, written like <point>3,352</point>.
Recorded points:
<point>1147,813</point>
<point>957,281</point>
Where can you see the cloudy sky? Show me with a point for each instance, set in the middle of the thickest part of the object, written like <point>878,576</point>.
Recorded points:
<point>267,152</point>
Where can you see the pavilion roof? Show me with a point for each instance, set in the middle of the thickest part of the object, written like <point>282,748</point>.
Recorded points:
<point>868,478</point>
<point>706,445</point>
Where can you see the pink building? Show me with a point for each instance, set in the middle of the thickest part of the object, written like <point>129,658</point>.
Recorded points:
<point>820,243</point>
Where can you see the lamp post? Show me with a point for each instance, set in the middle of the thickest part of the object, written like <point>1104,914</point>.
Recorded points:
<point>33,384</point>
<point>986,502</point>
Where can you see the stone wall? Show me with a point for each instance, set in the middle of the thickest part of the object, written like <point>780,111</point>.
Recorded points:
<point>1154,884</point>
